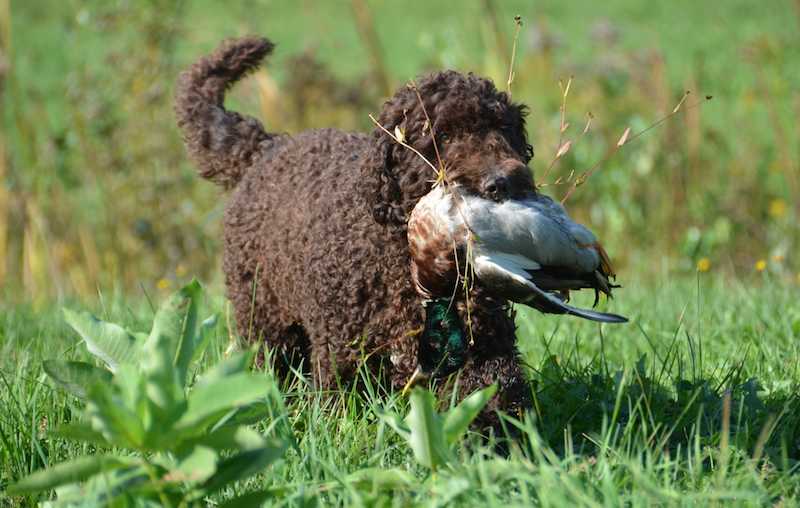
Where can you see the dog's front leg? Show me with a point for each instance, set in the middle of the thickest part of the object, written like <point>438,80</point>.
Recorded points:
<point>513,395</point>
<point>492,357</point>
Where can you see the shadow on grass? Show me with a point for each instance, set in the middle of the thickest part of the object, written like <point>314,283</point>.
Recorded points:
<point>586,410</point>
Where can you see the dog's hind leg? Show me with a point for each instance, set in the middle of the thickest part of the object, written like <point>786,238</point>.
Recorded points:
<point>260,319</point>
<point>287,346</point>
<point>289,350</point>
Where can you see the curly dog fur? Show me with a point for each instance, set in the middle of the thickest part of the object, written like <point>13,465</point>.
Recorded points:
<point>316,257</point>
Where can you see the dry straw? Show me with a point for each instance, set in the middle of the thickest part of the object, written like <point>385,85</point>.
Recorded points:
<point>624,139</point>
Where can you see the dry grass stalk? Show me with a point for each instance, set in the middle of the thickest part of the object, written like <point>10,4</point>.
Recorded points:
<point>763,437</point>
<point>4,213</point>
<point>491,14</point>
<point>369,36</point>
<point>694,132</point>
<point>399,138</point>
<point>469,268</point>
<point>517,27</point>
<point>5,26</point>
<point>626,138</point>
<point>5,64</point>
<point>783,138</point>
<point>564,147</point>
<point>725,431</point>
<point>432,129</point>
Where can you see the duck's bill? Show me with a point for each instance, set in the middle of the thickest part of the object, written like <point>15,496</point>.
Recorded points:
<point>548,302</point>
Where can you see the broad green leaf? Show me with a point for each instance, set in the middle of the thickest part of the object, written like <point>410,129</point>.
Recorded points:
<point>396,422</point>
<point>272,410</point>
<point>272,406</point>
<point>457,420</point>
<point>447,489</point>
<point>498,470</point>
<point>426,439</point>
<point>75,377</point>
<point>117,422</point>
<point>252,413</point>
<point>82,432</point>
<point>244,465</point>
<point>249,500</point>
<point>153,409</point>
<point>176,316</point>
<point>109,342</point>
<point>235,364</point>
<point>171,336</point>
<point>210,401</point>
<point>204,336</point>
<point>72,471</point>
<point>243,438</point>
<point>197,467</point>
<point>380,479</point>
<point>103,490</point>
<point>228,437</point>
<point>70,495</point>
<point>145,399</point>
<point>159,414</point>
<point>165,335</point>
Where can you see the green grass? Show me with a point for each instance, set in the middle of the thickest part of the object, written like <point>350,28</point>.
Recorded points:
<point>94,155</point>
<point>695,401</point>
<point>97,193</point>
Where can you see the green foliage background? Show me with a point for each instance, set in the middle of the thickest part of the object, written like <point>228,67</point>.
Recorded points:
<point>97,192</point>
<point>694,402</point>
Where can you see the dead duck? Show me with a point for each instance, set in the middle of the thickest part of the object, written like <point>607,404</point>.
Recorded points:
<point>528,251</point>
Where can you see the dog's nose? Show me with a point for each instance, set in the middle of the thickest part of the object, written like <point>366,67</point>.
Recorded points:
<point>496,188</point>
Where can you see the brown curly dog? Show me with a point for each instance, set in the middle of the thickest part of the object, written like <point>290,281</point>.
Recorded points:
<point>316,257</point>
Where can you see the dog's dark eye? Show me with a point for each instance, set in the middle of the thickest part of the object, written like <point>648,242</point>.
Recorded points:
<point>443,137</point>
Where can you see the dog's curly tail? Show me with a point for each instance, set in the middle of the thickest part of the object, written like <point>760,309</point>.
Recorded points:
<point>222,143</point>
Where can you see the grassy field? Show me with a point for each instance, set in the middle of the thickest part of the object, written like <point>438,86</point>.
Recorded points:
<point>694,402</point>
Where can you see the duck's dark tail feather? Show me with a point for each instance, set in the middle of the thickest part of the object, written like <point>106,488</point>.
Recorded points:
<point>223,144</point>
<point>551,304</point>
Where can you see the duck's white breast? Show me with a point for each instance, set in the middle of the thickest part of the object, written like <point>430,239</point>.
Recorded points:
<point>537,229</point>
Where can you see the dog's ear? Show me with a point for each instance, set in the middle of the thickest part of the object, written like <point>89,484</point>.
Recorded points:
<point>515,131</point>
<point>384,196</point>
<point>396,178</point>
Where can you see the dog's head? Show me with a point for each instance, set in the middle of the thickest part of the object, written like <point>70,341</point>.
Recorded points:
<point>480,137</point>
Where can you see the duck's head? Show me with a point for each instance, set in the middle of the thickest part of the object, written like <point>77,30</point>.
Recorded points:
<point>459,120</point>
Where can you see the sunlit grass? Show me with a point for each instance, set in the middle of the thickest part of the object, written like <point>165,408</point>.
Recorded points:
<point>694,401</point>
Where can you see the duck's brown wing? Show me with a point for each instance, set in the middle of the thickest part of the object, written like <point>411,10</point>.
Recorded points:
<point>434,250</point>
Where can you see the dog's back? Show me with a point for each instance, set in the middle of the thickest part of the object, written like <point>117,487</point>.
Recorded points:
<point>307,268</point>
